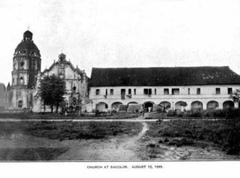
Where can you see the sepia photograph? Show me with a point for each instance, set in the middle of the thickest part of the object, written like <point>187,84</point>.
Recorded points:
<point>119,81</point>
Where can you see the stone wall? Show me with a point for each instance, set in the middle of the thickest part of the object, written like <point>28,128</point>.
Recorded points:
<point>3,97</point>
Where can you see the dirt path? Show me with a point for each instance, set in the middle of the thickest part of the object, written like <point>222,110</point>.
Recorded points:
<point>120,148</point>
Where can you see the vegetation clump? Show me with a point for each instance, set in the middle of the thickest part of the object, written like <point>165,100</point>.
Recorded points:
<point>223,133</point>
<point>52,89</point>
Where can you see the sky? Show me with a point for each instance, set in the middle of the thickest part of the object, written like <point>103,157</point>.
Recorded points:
<point>124,33</point>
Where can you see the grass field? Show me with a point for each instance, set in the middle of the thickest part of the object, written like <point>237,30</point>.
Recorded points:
<point>22,115</point>
<point>224,134</point>
<point>119,141</point>
<point>48,140</point>
<point>70,130</point>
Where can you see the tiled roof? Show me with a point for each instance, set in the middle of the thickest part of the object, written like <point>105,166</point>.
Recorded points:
<point>163,76</point>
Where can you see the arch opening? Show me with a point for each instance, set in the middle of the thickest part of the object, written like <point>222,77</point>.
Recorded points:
<point>116,106</point>
<point>211,105</point>
<point>165,105</point>
<point>21,80</point>
<point>134,107</point>
<point>180,105</point>
<point>101,107</point>
<point>228,105</point>
<point>148,106</point>
<point>196,106</point>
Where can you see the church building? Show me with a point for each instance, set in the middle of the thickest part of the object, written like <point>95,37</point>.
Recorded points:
<point>76,82</point>
<point>23,94</point>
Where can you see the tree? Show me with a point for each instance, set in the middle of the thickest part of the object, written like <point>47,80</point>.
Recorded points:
<point>52,89</point>
<point>236,96</point>
<point>233,125</point>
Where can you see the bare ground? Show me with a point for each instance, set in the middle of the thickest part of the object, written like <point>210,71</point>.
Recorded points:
<point>121,148</point>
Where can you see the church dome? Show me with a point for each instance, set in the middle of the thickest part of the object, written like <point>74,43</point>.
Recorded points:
<point>27,45</point>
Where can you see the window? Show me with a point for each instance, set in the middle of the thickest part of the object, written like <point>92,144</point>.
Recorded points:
<point>155,91</point>
<point>106,92</point>
<point>74,88</point>
<point>198,91</point>
<point>123,93</point>
<point>97,91</point>
<point>189,91</point>
<point>166,91</point>
<point>22,65</point>
<point>20,104</point>
<point>61,76</point>
<point>175,91</point>
<point>33,64</point>
<point>218,91</point>
<point>230,91</point>
<point>134,91</point>
<point>129,91</point>
<point>111,91</point>
<point>147,91</point>
<point>21,81</point>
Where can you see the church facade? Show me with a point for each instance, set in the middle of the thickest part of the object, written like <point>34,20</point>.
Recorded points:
<point>175,88</point>
<point>76,82</point>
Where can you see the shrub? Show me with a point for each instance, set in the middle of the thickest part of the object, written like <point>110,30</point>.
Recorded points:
<point>196,114</point>
<point>219,113</point>
<point>171,113</point>
<point>179,113</point>
<point>222,113</point>
<point>192,114</point>
<point>233,142</point>
<point>232,113</point>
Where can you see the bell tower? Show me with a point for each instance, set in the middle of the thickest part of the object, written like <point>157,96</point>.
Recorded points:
<point>26,66</point>
<point>26,63</point>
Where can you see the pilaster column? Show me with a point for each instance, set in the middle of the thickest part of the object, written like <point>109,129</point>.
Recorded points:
<point>236,105</point>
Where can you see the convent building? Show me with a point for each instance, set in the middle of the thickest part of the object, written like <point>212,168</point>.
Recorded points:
<point>182,88</point>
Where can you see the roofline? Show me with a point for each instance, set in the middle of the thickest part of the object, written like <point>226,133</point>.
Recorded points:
<point>160,67</point>
<point>68,63</point>
<point>162,85</point>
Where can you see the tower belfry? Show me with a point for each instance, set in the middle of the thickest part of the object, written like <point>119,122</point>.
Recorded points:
<point>26,66</point>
